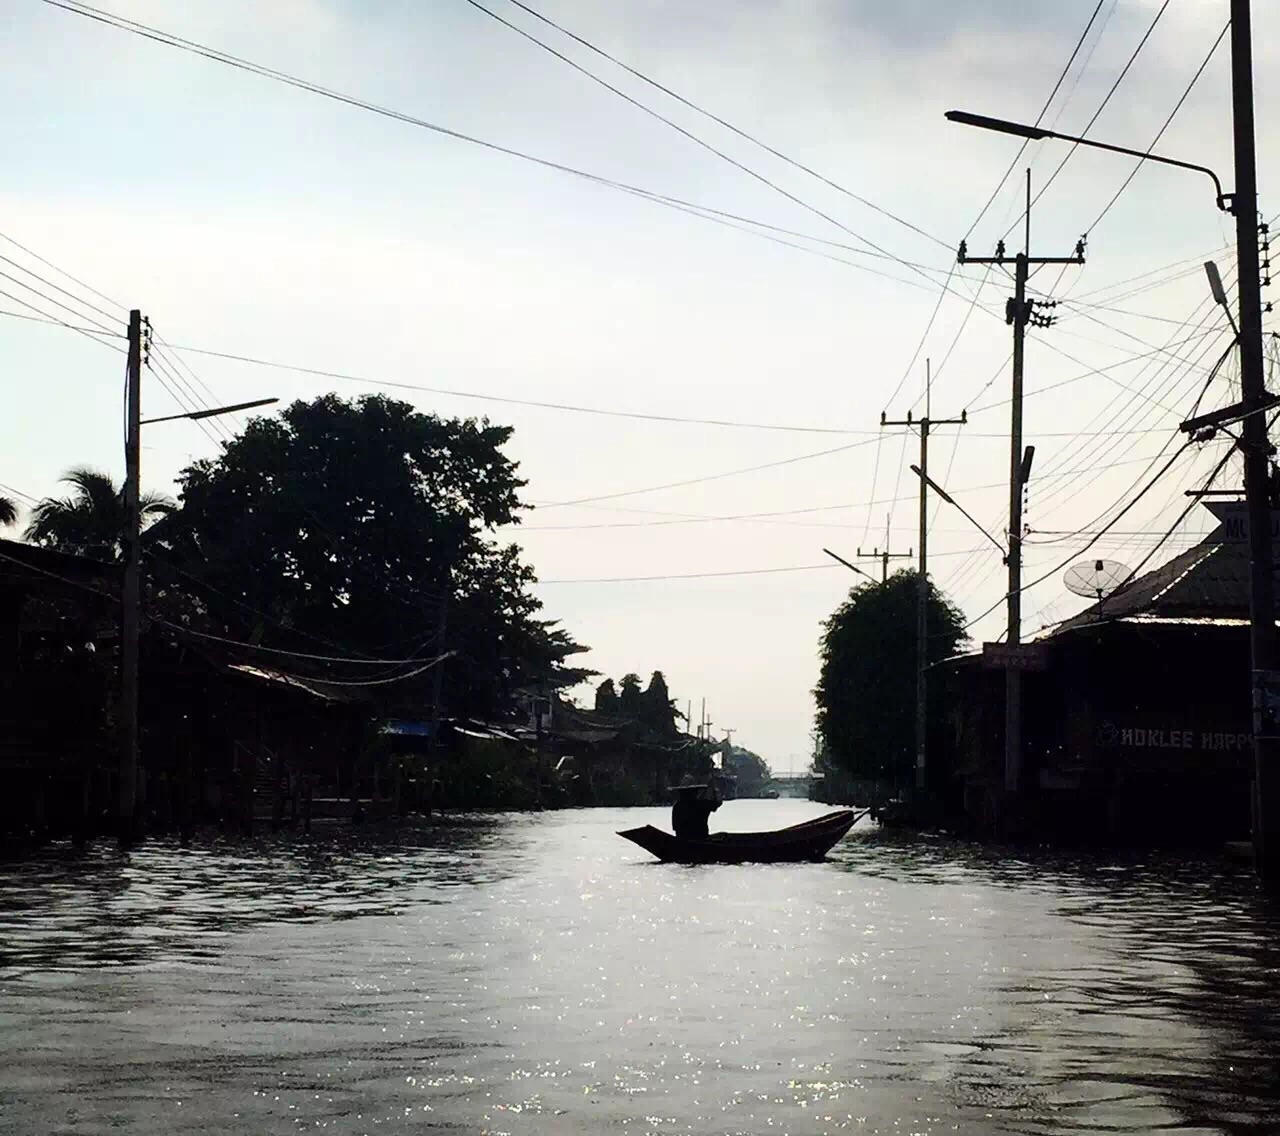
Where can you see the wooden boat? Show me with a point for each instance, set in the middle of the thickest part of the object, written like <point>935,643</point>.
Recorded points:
<point>811,840</point>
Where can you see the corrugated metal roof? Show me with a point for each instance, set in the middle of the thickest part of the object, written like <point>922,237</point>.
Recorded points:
<point>1209,580</point>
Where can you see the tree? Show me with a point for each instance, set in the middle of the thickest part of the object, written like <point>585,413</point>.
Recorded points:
<point>866,690</point>
<point>91,521</point>
<point>631,697</point>
<point>8,511</point>
<point>607,698</point>
<point>750,771</point>
<point>368,524</point>
<point>657,711</point>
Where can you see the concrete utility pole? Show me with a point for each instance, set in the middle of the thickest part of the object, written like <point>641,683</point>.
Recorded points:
<point>1019,312</point>
<point>1256,448</point>
<point>139,349</point>
<point>1254,401</point>
<point>437,679</point>
<point>922,572</point>
<point>130,593</point>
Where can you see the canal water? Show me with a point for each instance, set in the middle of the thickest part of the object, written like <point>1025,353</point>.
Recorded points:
<point>535,974</point>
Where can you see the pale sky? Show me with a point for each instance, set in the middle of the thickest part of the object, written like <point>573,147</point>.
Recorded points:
<point>247,217</point>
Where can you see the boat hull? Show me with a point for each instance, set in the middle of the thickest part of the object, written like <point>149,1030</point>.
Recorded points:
<point>811,840</point>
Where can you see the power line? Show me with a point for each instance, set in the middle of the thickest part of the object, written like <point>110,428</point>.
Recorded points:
<point>710,476</point>
<point>347,659</point>
<point>63,272</point>
<point>680,129</point>
<point>977,295</point>
<point>1091,466</point>
<point>48,317</point>
<point>56,303</point>
<point>1160,133</point>
<point>170,40</point>
<point>1039,118</point>
<point>56,322</point>
<point>1089,125</point>
<point>708,114</point>
<point>1155,141</point>
<point>19,493</point>
<point>172,384</point>
<point>695,518</point>
<point>1103,372</point>
<point>483,397</point>
<point>426,666</point>
<point>1052,571</point>
<point>162,349</point>
<point>58,288</point>
<point>691,575</point>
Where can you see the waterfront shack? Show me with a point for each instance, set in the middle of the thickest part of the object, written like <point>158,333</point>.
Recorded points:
<point>1138,727</point>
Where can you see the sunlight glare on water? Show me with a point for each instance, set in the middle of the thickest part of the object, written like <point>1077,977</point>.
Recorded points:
<point>536,974</point>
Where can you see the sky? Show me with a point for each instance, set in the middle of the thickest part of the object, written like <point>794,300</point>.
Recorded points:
<point>246,217</point>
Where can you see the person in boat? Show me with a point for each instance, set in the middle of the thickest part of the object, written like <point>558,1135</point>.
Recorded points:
<point>694,804</point>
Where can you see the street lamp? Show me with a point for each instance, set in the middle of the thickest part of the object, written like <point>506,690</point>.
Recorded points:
<point>851,567</point>
<point>953,502</point>
<point>1254,444</point>
<point>213,412</point>
<point>1226,201</point>
<point>131,584</point>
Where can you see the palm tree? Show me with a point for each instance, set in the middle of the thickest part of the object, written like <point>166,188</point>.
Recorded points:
<point>8,511</point>
<point>91,521</point>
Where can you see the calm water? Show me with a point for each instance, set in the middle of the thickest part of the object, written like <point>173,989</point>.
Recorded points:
<point>535,974</point>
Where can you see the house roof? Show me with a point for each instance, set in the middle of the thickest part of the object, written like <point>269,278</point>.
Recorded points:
<point>1209,581</point>
<point>30,561</point>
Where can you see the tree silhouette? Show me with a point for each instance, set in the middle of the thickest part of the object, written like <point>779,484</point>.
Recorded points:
<point>91,521</point>
<point>866,690</point>
<point>8,511</point>
<point>607,697</point>
<point>369,524</point>
<point>658,712</point>
<point>631,697</point>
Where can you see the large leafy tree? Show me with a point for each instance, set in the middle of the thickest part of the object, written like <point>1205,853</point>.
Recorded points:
<point>8,511</point>
<point>91,520</point>
<point>368,524</point>
<point>866,690</point>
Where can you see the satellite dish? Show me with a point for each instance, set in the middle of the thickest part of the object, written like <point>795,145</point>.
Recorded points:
<point>1095,579</point>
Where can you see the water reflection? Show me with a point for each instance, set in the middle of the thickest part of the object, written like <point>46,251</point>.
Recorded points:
<point>65,910</point>
<point>535,974</point>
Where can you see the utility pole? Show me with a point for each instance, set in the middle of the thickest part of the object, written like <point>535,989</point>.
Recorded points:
<point>437,678</point>
<point>922,577</point>
<point>885,556</point>
<point>1255,446</point>
<point>131,588</point>
<point>1020,312</point>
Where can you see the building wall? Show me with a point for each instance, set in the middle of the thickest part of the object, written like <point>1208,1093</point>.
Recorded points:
<point>1135,733</point>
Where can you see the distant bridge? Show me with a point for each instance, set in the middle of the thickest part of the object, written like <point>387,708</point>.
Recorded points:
<point>791,784</point>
